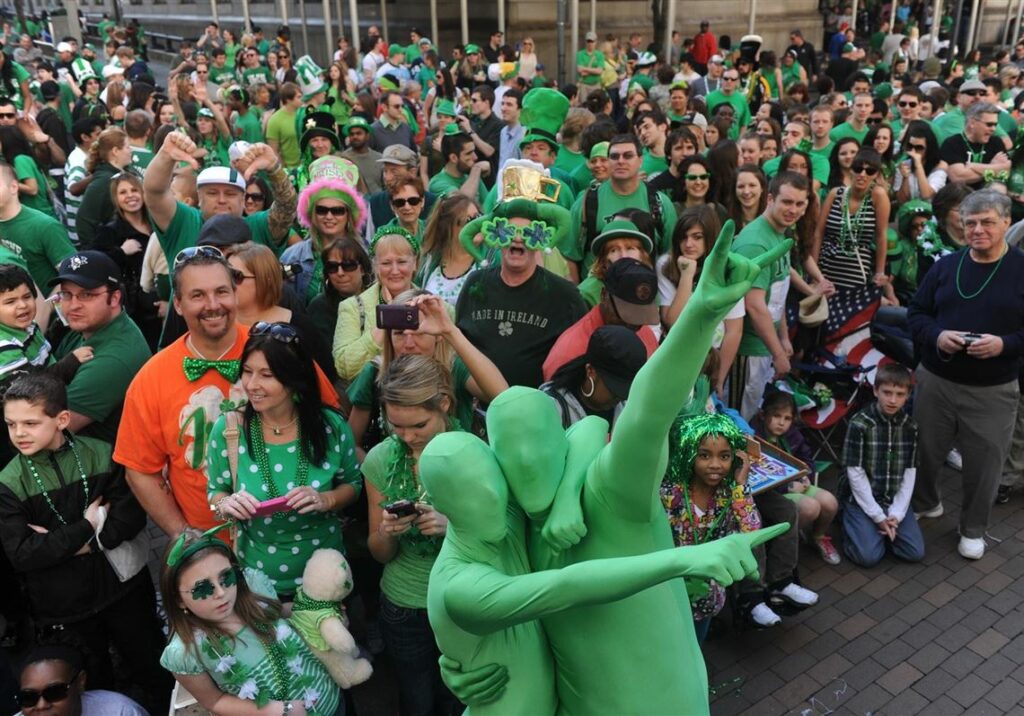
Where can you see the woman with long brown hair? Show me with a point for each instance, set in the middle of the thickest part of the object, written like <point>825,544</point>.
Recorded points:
<point>444,263</point>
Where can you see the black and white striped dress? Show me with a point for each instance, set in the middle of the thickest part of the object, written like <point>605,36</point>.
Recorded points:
<point>851,266</point>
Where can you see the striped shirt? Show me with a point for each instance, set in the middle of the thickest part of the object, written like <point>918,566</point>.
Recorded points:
<point>850,266</point>
<point>20,349</point>
<point>74,171</point>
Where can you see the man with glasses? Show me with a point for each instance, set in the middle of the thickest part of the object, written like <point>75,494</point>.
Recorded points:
<point>253,73</point>
<point>623,190</point>
<point>953,122</point>
<point>967,319</point>
<point>392,127</point>
<point>730,94</point>
<point>484,128</point>
<point>856,125</point>
<point>90,289</point>
<point>908,104</point>
<point>179,394</point>
<point>39,239</point>
<point>976,156</point>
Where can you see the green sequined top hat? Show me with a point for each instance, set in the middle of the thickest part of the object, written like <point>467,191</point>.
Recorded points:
<point>544,111</point>
<point>319,124</point>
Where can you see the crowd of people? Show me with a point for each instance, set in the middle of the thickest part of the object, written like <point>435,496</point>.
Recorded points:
<point>251,293</point>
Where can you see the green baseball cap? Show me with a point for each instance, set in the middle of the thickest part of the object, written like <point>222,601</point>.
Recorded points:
<point>472,49</point>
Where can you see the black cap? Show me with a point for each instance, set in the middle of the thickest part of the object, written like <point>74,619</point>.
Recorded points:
<point>617,354</point>
<point>88,269</point>
<point>49,89</point>
<point>633,288</point>
<point>224,230</point>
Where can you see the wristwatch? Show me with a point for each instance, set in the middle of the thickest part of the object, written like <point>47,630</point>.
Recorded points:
<point>288,706</point>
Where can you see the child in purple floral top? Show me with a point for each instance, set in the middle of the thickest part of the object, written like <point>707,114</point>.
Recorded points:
<point>706,497</point>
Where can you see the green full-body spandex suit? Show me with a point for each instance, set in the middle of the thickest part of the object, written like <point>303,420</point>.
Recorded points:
<point>619,632</point>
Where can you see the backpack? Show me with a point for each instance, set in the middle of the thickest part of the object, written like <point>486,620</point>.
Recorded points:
<point>590,213</point>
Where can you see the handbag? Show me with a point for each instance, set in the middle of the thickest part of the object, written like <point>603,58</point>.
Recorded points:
<point>128,558</point>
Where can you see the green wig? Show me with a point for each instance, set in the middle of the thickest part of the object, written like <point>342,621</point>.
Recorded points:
<point>686,436</point>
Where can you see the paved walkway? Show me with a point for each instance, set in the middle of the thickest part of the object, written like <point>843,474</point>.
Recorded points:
<point>942,637</point>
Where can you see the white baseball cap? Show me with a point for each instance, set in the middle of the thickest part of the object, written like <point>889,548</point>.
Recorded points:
<point>221,175</point>
<point>64,47</point>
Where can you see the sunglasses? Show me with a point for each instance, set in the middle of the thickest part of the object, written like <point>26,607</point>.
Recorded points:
<point>917,147</point>
<point>625,156</point>
<point>204,589</point>
<point>908,104</point>
<point>254,197</point>
<point>278,331</point>
<point>990,125</point>
<point>332,267</point>
<point>864,169</point>
<point>239,276</point>
<point>27,698</point>
<point>874,120</point>
<point>411,201</point>
<point>730,79</point>
<point>194,253</point>
<point>976,93</point>
<point>697,177</point>
<point>332,210</point>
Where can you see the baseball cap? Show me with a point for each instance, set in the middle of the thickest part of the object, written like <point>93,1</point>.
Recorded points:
<point>591,37</point>
<point>973,86</point>
<point>617,354</point>
<point>64,47</point>
<point>696,119</point>
<point>88,269</point>
<point>395,49</point>
<point>472,49</point>
<point>221,175</point>
<point>633,288</point>
<point>224,230</point>
<point>716,60</point>
<point>399,154</point>
<point>207,113</point>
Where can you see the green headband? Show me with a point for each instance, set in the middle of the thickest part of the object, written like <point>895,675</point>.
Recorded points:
<point>393,230</point>
<point>548,227</point>
<point>179,552</point>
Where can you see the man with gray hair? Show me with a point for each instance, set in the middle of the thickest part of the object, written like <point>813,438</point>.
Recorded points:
<point>976,156</point>
<point>967,319</point>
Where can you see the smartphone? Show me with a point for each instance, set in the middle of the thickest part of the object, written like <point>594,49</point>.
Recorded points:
<point>398,318</point>
<point>401,508</point>
<point>753,449</point>
<point>269,507</point>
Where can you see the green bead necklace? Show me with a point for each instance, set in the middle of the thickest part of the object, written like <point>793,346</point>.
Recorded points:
<point>849,228</point>
<point>983,285</point>
<point>262,458</point>
<point>278,664</point>
<point>42,488</point>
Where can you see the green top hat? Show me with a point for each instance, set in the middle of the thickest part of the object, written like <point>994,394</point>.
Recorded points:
<point>355,122</point>
<point>319,124</point>
<point>544,111</point>
<point>446,108</point>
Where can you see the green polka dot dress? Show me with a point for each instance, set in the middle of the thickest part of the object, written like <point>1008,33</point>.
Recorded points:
<point>279,545</point>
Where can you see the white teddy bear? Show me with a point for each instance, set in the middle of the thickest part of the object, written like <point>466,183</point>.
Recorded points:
<point>319,616</point>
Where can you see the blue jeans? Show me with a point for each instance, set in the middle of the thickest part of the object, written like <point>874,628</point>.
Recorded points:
<point>409,642</point>
<point>864,546</point>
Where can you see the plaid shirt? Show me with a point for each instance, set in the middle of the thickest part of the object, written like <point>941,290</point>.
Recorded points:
<point>884,446</point>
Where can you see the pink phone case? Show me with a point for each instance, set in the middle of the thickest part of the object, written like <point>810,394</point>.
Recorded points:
<point>269,507</point>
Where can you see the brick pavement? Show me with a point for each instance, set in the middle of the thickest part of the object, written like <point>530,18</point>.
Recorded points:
<point>942,637</point>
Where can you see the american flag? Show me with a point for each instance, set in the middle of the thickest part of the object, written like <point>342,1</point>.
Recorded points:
<point>851,309</point>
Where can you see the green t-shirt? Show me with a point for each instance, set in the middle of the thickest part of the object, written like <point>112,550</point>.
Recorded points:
<point>653,165</point>
<point>249,126</point>
<point>99,386</point>
<point>791,74</point>
<point>12,88</point>
<point>580,178</point>
<point>141,157</point>
<point>442,184</point>
<point>281,544</point>
<point>590,60</point>
<point>252,76</point>
<point>281,129</point>
<point>590,290</point>
<point>183,231</point>
<point>825,152</point>
<point>220,75</point>
<point>39,240</point>
<point>406,576</point>
<point>608,204</point>
<point>741,116</point>
<point>216,151</point>
<point>569,161</point>
<point>756,238</point>
<point>25,167</point>
<point>845,130</point>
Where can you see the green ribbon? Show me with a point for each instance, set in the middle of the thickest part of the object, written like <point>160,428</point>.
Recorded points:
<point>195,368</point>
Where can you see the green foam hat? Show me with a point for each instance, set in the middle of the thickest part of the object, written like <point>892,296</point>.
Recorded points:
<point>452,129</point>
<point>621,229</point>
<point>446,108</point>
<point>355,122</point>
<point>309,77</point>
<point>544,111</point>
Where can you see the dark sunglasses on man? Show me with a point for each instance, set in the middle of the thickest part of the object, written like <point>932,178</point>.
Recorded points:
<point>53,693</point>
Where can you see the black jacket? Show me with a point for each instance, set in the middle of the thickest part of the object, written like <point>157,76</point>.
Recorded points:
<point>65,587</point>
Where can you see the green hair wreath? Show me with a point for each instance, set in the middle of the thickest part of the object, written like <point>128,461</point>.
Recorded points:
<point>394,230</point>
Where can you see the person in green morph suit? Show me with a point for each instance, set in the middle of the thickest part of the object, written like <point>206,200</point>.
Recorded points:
<point>647,638</point>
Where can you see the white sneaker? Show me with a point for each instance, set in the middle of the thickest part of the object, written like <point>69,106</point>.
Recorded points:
<point>955,460</point>
<point>971,548</point>
<point>763,616</point>
<point>796,595</point>
<point>934,512</point>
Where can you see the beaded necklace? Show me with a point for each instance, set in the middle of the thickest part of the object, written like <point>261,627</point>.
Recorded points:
<point>259,450</point>
<point>974,156</point>
<point>42,488</point>
<point>984,285</point>
<point>713,515</point>
<point>849,227</point>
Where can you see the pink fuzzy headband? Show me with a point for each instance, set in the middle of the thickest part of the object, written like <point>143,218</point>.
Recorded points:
<point>332,189</point>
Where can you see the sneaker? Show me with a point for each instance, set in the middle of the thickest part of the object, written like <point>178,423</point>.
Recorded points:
<point>934,512</point>
<point>971,548</point>
<point>1003,495</point>
<point>795,596</point>
<point>763,616</point>
<point>955,460</point>
<point>827,550</point>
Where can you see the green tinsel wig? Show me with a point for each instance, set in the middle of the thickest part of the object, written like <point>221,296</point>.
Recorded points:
<point>686,436</point>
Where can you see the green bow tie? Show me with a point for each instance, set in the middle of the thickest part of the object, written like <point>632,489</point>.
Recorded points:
<point>195,368</point>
